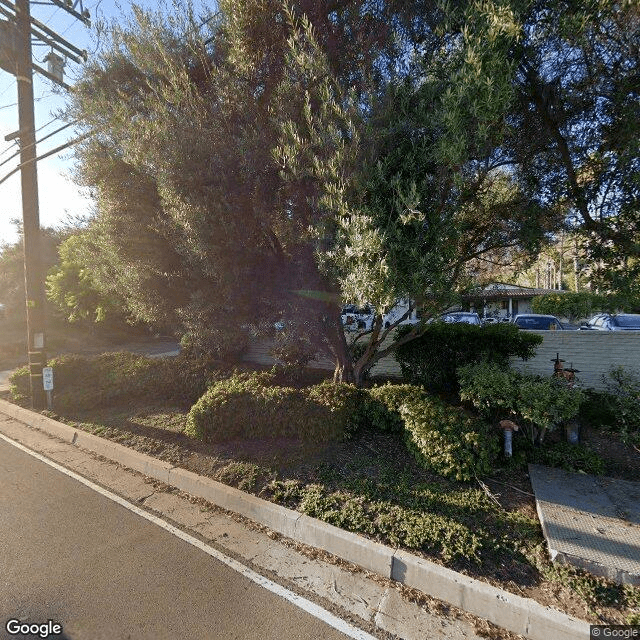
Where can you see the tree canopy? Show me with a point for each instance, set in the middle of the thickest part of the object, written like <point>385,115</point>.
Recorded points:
<point>364,150</point>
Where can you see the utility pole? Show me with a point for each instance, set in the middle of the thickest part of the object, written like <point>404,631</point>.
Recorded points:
<point>33,276</point>
<point>17,58</point>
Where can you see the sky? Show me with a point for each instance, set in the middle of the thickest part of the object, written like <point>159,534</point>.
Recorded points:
<point>59,198</point>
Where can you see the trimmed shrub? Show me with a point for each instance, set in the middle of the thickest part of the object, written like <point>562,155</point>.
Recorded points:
<point>432,359</point>
<point>491,389</point>
<point>345,402</point>
<point>541,403</point>
<point>385,402</point>
<point>248,406</point>
<point>447,440</point>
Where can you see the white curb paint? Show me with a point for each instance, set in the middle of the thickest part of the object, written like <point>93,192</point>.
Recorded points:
<point>300,602</point>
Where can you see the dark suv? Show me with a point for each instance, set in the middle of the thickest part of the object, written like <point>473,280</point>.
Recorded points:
<point>537,322</point>
<point>613,322</point>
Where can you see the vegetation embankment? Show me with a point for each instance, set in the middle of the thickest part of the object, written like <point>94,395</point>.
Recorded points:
<point>395,462</point>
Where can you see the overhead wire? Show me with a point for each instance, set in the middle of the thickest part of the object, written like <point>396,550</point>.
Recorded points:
<point>47,154</point>
<point>53,133</point>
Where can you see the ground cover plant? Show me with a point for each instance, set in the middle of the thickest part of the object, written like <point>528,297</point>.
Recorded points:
<point>369,483</point>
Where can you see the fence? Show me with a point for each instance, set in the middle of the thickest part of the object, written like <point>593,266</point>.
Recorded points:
<point>593,353</point>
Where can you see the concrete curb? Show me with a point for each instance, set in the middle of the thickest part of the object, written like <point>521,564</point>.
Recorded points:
<point>509,611</point>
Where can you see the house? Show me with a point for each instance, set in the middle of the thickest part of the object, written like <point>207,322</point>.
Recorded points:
<point>500,300</point>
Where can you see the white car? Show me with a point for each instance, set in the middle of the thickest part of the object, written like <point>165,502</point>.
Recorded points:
<point>356,318</point>
<point>462,316</point>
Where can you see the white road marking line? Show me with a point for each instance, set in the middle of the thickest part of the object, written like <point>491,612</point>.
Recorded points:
<point>304,604</point>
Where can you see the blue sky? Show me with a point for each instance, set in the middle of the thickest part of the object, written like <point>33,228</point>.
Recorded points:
<point>59,197</point>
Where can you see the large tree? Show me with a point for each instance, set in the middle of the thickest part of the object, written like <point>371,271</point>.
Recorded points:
<point>353,150</point>
<point>575,134</point>
<point>183,153</point>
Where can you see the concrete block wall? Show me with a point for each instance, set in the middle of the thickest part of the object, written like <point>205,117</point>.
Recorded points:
<point>593,353</point>
<point>259,353</point>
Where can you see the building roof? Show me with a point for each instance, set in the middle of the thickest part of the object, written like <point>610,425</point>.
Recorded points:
<point>501,290</point>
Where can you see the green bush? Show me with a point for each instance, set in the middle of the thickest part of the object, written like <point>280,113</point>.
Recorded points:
<point>535,402</point>
<point>491,389</point>
<point>624,401</point>
<point>447,440</point>
<point>385,403</point>
<point>566,456</point>
<point>346,403</point>
<point>597,410</point>
<point>432,359</point>
<point>83,382</point>
<point>249,406</point>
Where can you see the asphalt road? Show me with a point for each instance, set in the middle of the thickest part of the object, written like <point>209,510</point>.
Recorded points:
<point>71,555</point>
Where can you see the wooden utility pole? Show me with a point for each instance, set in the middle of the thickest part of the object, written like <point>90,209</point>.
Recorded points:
<point>33,275</point>
<point>17,28</point>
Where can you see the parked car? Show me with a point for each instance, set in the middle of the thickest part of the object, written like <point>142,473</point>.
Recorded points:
<point>461,316</point>
<point>537,322</point>
<point>355,318</point>
<point>613,322</point>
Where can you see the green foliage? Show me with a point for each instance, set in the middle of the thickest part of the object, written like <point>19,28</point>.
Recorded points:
<point>575,306</point>
<point>595,591</point>
<point>366,511</point>
<point>448,440</point>
<point>491,388</point>
<point>546,402</point>
<point>564,456</point>
<point>82,382</point>
<point>538,402</point>
<point>12,293</point>
<point>387,401</point>
<point>624,402</point>
<point>345,402</point>
<point>433,358</point>
<point>597,410</point>
<point>250,406</point>
<point>71,286</point>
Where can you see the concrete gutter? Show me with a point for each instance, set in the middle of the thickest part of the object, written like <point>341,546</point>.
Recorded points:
<point>509,611</point>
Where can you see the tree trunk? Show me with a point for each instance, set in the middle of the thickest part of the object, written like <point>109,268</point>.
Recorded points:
<point>343,371</point>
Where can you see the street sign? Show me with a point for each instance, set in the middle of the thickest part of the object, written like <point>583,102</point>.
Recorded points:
<point>47,378</point>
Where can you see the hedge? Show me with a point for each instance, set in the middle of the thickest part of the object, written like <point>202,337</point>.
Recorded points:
<point>250,406</point>
<point>432,359</point>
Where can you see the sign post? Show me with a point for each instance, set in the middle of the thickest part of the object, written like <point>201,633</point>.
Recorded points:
<point>47,384</point>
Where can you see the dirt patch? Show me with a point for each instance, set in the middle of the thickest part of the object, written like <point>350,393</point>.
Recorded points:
<point>622,461</point>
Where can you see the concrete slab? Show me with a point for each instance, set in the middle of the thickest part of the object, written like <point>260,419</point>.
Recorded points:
<point>590,522</point>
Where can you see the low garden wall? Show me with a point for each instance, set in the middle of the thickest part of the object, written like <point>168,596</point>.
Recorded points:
<point>593,353</point>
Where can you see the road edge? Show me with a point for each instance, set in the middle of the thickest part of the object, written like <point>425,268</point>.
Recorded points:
<point>509,611</point>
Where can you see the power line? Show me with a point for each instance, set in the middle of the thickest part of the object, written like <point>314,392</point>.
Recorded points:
<point>44,126</point>
<point>62,147</point>
<point>6,89</point>
<point>33,144</point>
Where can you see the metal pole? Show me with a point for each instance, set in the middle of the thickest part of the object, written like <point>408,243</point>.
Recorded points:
<point>33,275</point>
